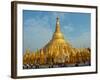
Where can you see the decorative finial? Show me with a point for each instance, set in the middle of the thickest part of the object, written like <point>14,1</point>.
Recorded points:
<point>57,25</point>
<point>57,18</point>
<point>57,33</point>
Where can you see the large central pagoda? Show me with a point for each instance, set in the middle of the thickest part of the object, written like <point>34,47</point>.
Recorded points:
<point>58,47</point>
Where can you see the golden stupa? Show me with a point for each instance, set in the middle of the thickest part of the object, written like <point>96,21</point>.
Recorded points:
<point>58,47</point>
<point>56,51</point>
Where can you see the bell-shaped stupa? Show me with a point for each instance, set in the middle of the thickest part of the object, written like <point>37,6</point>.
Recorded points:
<point>58,48</point>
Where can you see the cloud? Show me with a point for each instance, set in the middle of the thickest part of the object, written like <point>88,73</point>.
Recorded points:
<point>61,15</point>
<point>37,33</point>
<point>83,40</point>
<point>68,28</point>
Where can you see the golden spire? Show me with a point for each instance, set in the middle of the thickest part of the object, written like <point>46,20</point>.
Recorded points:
<point>57,25</point>
<point>57,34</point>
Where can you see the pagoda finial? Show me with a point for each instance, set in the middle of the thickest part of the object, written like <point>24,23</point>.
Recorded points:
<point>57,18</point>
<point>57,25</point>
<point>57,34</point>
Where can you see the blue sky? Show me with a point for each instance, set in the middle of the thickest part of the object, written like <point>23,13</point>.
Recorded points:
<point>39,26</point>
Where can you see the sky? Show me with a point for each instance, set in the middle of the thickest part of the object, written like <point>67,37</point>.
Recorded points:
<point>39,26</point>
